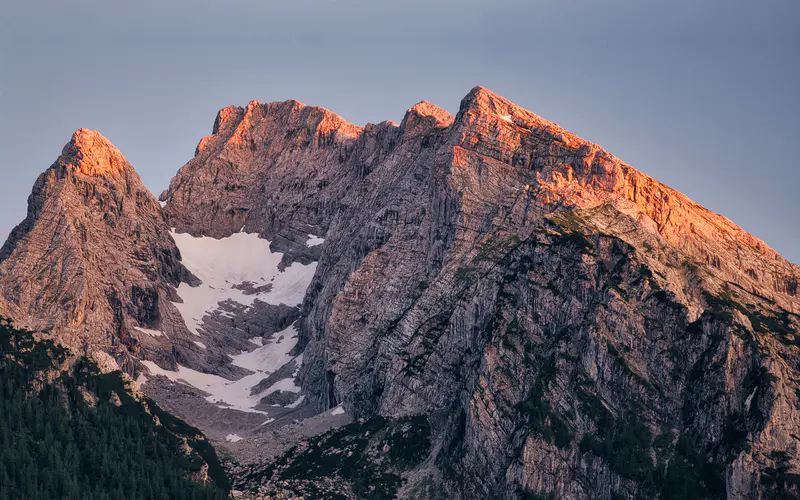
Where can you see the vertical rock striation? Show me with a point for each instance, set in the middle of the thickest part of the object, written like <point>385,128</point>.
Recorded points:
<point>565,325</point>
<point>568,325</point>
<point>93,260</point>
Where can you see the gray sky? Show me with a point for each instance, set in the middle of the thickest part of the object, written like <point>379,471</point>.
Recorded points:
<point>701,95</point>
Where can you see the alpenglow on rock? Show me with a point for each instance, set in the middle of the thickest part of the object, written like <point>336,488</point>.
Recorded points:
<point>517,310</point>
<point>93,260</point>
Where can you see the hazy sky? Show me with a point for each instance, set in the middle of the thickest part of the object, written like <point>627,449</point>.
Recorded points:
<point>701,95</point>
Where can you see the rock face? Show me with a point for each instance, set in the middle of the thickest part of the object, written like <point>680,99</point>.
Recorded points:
<point>570,326</point>
<point>96,264</point>
<point>277,169</point>
<point>565,325</point>
<point>93,260</point>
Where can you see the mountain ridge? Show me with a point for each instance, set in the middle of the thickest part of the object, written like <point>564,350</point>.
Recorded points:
<point>564,324</point>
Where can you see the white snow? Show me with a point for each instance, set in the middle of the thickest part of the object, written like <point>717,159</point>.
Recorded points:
<point>338,410</point>
<point>271,356</point>
<point>286,384</point>
<point>314,240</point>
<point>162,203</point>
<point>296,403</point>
<point>749,399</point>
<point>265,422</point>
<point>235,394</point>
<point>233,438</point>
<point>221,264</point>
<point>507,118</point>
<point>152,333</point>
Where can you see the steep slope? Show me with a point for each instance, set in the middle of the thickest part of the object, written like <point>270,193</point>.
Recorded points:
<point>489,304</point>
<point>93,260</point>
<point>568,325</point>
<point>226,188</point>
<point>96,264</point>
<point>559,323</point>
<point>72,431</point>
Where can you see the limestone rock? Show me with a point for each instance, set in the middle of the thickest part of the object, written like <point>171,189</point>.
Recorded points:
<point>93,260</point>
<point>548,307</point>
<point>565,325</point>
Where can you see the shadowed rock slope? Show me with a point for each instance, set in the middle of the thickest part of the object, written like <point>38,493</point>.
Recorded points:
<point>564,325</point>
<point>569,326</point>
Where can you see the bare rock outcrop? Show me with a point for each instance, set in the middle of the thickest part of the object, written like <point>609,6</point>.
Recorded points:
<point>561,324</point>
<point>569,326</point>
<point>93,261</point>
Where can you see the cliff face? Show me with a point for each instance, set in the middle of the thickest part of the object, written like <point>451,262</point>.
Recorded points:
<point>93,260</point>
<point>276,169</point>
<point>554,310</point>
<point>569,325</point>
<point>563,324</point>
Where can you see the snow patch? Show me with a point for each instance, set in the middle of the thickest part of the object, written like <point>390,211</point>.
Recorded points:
<point>338,410</point>
<point>271,356</point>
<point>224,264</point>
<point>749,400</point>
<point>507,118</point>
<point>296,403</point>
<point>235,394</point>
<point>286,385</point>
<point>259,341</point>
<point>152,333</point>
<point>233,438</point>
<point>314,240</point>
<point>200,344</point>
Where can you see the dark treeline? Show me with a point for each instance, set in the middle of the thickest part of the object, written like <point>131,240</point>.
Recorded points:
<point>57,443</point>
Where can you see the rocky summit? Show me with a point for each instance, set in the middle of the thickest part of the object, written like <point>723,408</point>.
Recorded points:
<point>473,306</point>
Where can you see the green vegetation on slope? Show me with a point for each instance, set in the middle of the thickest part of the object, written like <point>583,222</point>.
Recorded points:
<point>365,459</point>
<point>80,434</point>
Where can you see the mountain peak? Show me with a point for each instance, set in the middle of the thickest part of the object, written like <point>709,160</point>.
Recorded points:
<point>89,153</point>
<point>485,258</point>
<point>425,108</point>
<point>426,115</point>
<point>483,98</point>
<point>90,213</point>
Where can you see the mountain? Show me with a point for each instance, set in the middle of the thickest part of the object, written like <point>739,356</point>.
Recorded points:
<point>513,310</point>
<point>93,260</point>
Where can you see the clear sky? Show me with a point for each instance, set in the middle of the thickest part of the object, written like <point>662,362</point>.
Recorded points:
<point>701,95</point>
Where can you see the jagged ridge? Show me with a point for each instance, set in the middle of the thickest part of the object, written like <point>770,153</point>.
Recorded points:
<point>567,325</point>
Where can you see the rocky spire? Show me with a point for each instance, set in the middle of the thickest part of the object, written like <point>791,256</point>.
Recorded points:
<point>425,116</point>
<point>93,259</point>
<point>89,153</point>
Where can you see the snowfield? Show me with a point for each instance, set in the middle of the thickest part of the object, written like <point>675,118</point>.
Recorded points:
<point>240,268</point>
<point>225,265</point>
<point>235,394</point>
